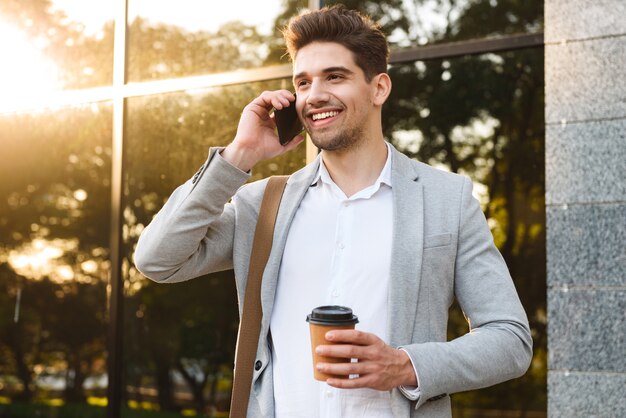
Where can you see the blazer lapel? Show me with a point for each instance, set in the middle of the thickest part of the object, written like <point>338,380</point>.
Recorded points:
<point>297,186</point>
<point>406,258</point>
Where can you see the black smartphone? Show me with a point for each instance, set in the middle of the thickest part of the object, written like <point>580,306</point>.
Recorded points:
<point>287,123</point>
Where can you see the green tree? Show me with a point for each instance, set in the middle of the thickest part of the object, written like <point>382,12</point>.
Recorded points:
<point>53,250</point>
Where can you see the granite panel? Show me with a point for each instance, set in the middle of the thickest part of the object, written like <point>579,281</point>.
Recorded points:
<point>588,395</point>
<point>587,329</point>
<point>581,19</point>
<point>586,162</point>
<point>586,245</point>
<point>584,80</point>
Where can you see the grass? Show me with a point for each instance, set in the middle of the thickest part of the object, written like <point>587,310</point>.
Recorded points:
<point>76,410</point>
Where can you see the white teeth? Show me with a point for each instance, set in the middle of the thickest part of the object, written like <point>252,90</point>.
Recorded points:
<point>324,115</point>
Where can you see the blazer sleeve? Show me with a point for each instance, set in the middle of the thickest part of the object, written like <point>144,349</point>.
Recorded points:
<point>193,233</point>
<point>498,346</point>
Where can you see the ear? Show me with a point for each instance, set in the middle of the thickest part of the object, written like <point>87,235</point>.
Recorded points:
<point>382,88</point>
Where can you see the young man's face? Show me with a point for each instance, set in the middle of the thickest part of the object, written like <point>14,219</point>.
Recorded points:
<point>334,100</point>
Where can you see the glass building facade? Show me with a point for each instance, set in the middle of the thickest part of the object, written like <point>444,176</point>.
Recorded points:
<point>107,106</point>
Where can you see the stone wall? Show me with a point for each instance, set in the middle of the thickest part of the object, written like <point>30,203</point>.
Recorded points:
<point>586,206</point>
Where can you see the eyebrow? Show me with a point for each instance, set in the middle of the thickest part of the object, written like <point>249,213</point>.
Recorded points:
<point>337,69</point>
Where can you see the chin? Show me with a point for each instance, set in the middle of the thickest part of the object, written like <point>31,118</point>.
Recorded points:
<point>335,144</point>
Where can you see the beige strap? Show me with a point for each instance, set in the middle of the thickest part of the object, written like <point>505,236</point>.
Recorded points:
<point>250,325</point>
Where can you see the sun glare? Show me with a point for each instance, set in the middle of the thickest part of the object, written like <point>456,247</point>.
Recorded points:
<point>41,258</point>
<point>26,76</point>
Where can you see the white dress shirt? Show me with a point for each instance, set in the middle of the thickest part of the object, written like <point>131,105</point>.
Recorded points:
<point>338,252</point>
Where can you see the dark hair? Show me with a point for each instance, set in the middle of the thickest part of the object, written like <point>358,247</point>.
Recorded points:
<point>349,28</point>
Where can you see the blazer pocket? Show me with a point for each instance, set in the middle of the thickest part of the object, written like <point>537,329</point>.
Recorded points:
<point>440,240</point>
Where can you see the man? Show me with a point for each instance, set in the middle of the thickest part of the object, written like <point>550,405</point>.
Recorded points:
<point>361,226</point>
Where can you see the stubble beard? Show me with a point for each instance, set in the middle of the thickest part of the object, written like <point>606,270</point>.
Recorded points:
<point>345,140</point>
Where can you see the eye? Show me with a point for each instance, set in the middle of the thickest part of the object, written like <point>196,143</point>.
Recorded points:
<point>301,84</point>
<point>335,77</point>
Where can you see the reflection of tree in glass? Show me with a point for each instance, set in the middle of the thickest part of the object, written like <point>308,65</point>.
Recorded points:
<point>53,248</point>
<point>162,51</point>
<point>417,22</point>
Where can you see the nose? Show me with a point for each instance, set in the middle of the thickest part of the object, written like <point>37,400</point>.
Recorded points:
<point>317,94</point>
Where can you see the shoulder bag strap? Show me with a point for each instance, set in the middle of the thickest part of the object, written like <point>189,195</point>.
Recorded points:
<point>250,324</point>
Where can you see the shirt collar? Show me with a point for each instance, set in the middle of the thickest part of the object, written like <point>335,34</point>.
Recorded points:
<point>384,178</point>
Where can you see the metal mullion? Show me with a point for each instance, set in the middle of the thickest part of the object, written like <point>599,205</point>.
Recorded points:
<point>316,4</point>
<point>206,81</point>
<point>116,285</point>
<point>64,99</point>
<point>145,88</point>
<point>469,47</point>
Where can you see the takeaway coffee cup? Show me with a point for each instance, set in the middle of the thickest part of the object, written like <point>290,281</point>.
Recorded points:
<point>321,320</point>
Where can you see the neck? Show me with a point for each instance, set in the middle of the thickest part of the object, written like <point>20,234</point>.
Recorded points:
<point>355,169</point>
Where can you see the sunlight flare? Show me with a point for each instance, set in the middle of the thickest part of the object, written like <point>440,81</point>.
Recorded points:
<point>26,76</point>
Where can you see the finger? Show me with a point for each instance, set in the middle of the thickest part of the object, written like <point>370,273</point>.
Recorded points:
<point>291,98</point>
<point>277,99</point>
<point>352,336</point>
<point>351,383</point>
<point>342,351</point>
<point>284,98</point>
<point>348,368</point>
<point>297,140</point>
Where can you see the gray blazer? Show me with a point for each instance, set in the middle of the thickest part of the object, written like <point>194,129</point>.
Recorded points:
<point>442,248</point>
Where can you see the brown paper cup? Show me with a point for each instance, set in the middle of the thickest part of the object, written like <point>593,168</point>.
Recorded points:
<point>318,333</point>
<point>321,320</point>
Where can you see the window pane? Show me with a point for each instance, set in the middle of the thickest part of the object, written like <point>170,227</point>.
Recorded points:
<point>410,23</point>
<point>190,37</point>
<point>180,339</point>
<point>54,260</point>
<point>54,45</point>
<point>484,117</point>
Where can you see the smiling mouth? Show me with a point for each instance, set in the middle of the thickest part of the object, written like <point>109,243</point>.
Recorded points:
<point>324,115</point>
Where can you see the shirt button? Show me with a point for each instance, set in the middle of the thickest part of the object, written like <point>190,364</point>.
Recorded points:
<point>258,365</point>
<point>342,246</point>
<point>346,204</point>
<point>335,293</point>
<point>329,394</point>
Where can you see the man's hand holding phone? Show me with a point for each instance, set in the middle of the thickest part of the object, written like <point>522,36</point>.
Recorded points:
<point>256,139</point>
